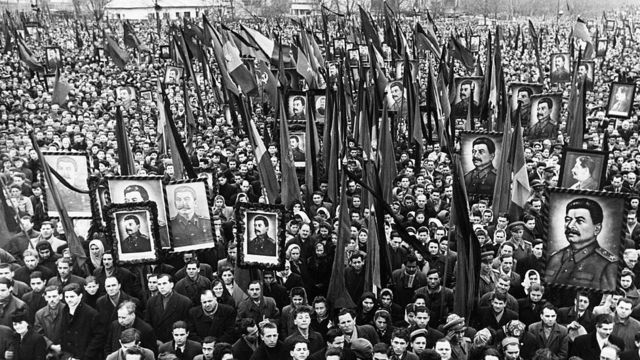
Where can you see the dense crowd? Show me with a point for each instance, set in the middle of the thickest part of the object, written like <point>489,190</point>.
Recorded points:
<point>189,306</point>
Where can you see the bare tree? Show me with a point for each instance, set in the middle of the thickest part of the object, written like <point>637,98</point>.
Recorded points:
<point>97,8</point>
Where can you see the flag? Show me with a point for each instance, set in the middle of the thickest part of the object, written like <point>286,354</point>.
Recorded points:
<point>580,31</point>
<point>461,53</point>
<point>386,157</point>
<point>520,190</point>
<point>266,172</point>
<point>303,67</point>
<point>179,157</point>
<point>268,46</point>
<point>311,154</point>
<point>266,81</point>
<point>131,39</point>
<point>427,40</point>
<point>216,41</point>
<point>191,125</point>
<point>237,69</point>
<point>290,189</point>
<point>60,90</point>
<point>79,42</point>
<point>369,29</point>
<point>125,156</point>
<point>118,55</point>
<point>467,246</point>
<point>337,292</point>
<point>501,200</point>
<point>75,247</point>
<point>26,55</point>
<point>576,108</point>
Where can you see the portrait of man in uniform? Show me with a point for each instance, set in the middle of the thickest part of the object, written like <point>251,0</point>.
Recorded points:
<point>189,223</point>
<point>135,241</point>
<point>544,125</point>
<point>261,244</point>
<point>582,169</point>
<point>297,108</point>
<point>467,91</point>
<point>126,94</point>
<point>585,261</point>
<point>297,147</point>
<point>620,100</point>
<point>73,169</point>
<point>482,178</point>
<point>172,75</point>
<point>560,68</point>
<point>54,59</point>
<point>320,108</point>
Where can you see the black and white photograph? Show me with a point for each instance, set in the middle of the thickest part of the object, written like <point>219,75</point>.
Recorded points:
<point>297,144</point>
<point>54,58</point>
<point>586,73</point>
<point>560,68</point>
<point>131,189</point>
<point>126,94</point>
<point>189,215</point>
<point>396,97</point>
<point>133,231</point>
<point>354,58</point>
<point>621,100</point>
<point>50,80</point>
<point>320,107</point>
<point>480,153</point>
<point>583,169</point>
<point>297,108</point>
<point>601,47</point>
<point>165,52</point>
<point>468,94</point>
<point>73,168</point>
<point>146,96</point>
<point>545,116</point>
<point>610,25</point>
<point>365,59</point>
<point>260,235</point>
<point>173,75</point>
<point>339,47</point>
<point>475,43</point>
<point>584,235</point>
<point>521,94</point>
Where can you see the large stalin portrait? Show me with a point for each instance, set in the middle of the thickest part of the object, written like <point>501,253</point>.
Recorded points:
<point>583,262</point>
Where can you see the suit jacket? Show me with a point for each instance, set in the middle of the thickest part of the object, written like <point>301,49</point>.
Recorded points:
<point>162,319</point>
<point>147,336</point>
<point>13,305</point>
<point>630,355</point>
<point>486,318</point>
<point>557,342</point>
<point>191,349</point>
<point>31,346</point>
<point>241,350</point>
<point>368,332</point>
<point>48,325</point>
<point>266,309</point>
<point>566,315</point>
<point>529,312</point>
<point>81,337</point>
<point>219,326</point>
<point>119,354</point>
<point>109,312</point>
<point>586,346</point>
<point>402,293</point>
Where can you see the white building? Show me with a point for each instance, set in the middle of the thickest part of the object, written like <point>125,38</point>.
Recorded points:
<point>145,9</point>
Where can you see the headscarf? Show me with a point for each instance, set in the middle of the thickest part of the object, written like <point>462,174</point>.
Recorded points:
<point>96,260</point>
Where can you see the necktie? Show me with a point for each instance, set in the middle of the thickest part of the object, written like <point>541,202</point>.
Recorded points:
<point>179,353</point>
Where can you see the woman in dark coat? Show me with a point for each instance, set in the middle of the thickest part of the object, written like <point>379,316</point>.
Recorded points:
<point>29,344</point>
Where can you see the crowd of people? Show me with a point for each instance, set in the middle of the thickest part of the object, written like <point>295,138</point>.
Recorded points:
<point>190,306</point>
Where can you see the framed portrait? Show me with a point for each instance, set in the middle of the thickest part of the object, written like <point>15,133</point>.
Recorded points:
<point>620,102</point>
<point>468,94</point>
<point>53,58</point>
<point>146,96</point>
<point>601,47</point>
<point>73,167</point>
<point>584,238</point>
<point>396,96</point>
<point>173,74</point>
<point>611,25</point>
<point>521,93</point>
<point>260,235</point>
<point>130,189</point>
<point>354,58</point>
<point>582,169</point>
<point>430,123</point>
<point>415,69</point>
<point>99,54</point>
<point>83,228</point>
<point>349,45</point>
<point>386,52</point>
<point>586,72</point>
<point>365,60</point>
<point>200,78</point>
<point>297,107</point>
<point>560,68</point>
<point>165,52</point>
<point>50,81</point>
<point>189,215</point>
<point>339,47</point>
<point>126,94</point>
<point>133,231</point>
<point>297,144</point>
<point>98,198</point>
<point>545,116</point>
<point>474,45</point>
<point>319,107</point>
<point>480,152</point>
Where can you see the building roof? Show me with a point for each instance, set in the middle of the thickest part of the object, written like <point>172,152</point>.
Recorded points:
<point>150,4</point>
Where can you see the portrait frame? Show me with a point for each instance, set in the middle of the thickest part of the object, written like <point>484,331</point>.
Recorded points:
<point>53,57</point>
<point>354,58</point>
<point>165,52</point>
<point>245,215</point>
<point>201,190</point>
<point>339,47</point>
<point>610,25</point>
<point>602,46</point>
<point>474,45</point>
<point>146,96</point>
<point>556,99</point>
<point>146,212</point>
<point>590,65</point>
<point>292,98</point>
<point>153,186</point>
<point>476,82</point>
<point>173,74</point>
<point>569,158</point>
<point>131,95</point>
<point>614,209</point>
<point>466,146</point>
<point>365,59</point>
<point>562,75</point>
<point>621,109</point>
<point>84,227</point>
<point>84,200</point>
<point>536,89</point>
<point>50,81</point>
<point>300,136</point>
<point>99,54</point>
<point>319,110</point>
